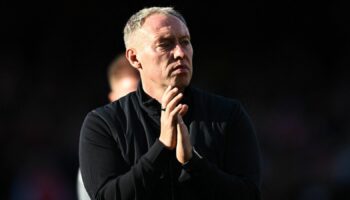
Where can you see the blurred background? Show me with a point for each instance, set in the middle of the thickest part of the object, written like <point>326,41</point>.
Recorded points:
<point>287,61</point>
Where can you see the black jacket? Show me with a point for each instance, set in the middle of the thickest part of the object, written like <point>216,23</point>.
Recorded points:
<point>122,158</point>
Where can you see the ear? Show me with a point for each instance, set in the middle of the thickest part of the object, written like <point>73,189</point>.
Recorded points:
<point>131,56</point>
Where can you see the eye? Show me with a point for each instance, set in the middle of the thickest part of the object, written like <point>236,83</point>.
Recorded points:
<point>185,41</point>
<point>166,44</point>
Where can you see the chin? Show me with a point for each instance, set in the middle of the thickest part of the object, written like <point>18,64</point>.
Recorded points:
<point>181,81</point>
<point>181,84</point>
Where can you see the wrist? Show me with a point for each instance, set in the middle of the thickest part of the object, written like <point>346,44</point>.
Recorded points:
<point>167,144</point>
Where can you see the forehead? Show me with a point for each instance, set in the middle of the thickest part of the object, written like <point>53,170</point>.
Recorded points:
<point>160,24</point>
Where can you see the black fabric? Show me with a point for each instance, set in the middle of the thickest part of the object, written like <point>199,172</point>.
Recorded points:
<point>122,158</point>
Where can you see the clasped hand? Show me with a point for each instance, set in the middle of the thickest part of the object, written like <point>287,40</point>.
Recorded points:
<point>174,133</point>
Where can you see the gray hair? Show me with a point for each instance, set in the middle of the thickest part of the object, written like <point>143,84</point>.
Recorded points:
<point>136,21</point>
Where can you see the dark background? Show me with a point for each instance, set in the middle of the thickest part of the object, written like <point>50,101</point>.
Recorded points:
<point>287,61</point>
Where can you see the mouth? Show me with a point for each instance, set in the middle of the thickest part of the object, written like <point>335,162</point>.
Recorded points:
<point>181,69</point>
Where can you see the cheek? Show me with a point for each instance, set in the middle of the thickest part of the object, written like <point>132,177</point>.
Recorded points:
<point>161,63</point>
<point>190,53</point>
<point>157,65</point>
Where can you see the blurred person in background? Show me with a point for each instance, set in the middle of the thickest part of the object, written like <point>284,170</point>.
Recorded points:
<point>122,79</point>
<point>168,139</point>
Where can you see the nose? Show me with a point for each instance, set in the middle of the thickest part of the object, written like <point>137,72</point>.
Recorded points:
<point>179,52</point>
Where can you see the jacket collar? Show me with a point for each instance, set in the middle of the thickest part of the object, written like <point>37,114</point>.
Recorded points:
<point>153,107</point>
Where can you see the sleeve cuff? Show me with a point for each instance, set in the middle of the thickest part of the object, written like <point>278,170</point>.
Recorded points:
<point>194,163</point>
<point>158,155</point>
<point>193,167</point>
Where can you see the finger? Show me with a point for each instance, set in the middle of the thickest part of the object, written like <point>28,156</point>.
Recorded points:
<point>168,95</point>
<point>179,133</point>
<point>180,129</point>
<point>175,112</point>
<point>174,102</point>
<point>179,119</point>
<point>183,110</point>
<point>164,94</point>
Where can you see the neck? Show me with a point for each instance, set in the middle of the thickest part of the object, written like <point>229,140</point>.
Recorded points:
<point>153,92</point>
<point>156,92</point>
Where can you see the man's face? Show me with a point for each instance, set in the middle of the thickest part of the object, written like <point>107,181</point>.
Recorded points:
<point>164,51</point>
<point>122,87</point>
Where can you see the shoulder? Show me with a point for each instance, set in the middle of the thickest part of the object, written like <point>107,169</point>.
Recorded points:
<point>109,120</point>
<point>114,111</point>
<point>116,107</point>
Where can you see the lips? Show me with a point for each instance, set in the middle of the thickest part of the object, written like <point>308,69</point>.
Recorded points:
<point>181,68</point>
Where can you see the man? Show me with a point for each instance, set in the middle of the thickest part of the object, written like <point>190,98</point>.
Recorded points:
<point>168,140</point>
<point>122,79</point>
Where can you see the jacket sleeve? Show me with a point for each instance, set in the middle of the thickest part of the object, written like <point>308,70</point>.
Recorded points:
<point>105,173</point>
<point>239,178</point>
